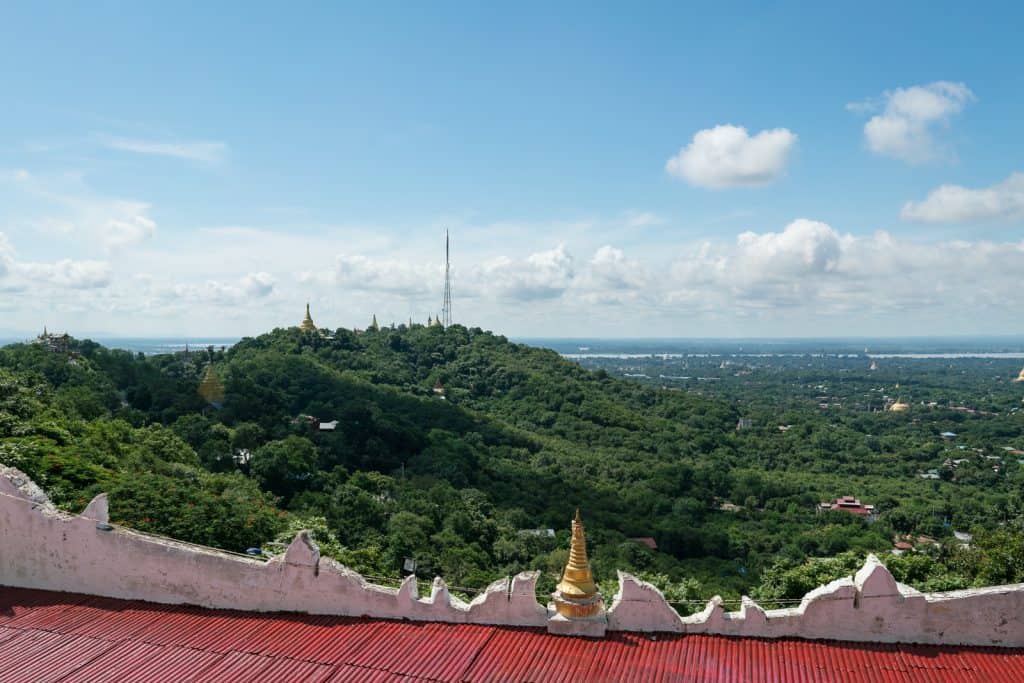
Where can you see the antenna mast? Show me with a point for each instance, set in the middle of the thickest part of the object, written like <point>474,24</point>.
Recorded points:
<point>446,307</point>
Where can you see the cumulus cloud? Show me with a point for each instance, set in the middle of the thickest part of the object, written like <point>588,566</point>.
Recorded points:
<point>390,276</point>
<point>543,275</point>
<point>905,127</point>
<point>728,156</point>
<point>67,273</point>
<point>245,289</point>
<point>206,152</point>
<point>958,204</point>
<point>127,224</point>
<point>812,266</point>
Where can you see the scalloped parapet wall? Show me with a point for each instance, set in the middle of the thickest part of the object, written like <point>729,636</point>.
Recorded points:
<point>42,547</point>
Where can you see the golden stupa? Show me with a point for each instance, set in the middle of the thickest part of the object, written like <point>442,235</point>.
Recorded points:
<point>307,322</point>
<point>211,388</point>
<point>576,596</point>
<point>1020,377</point>
<point>899,406</point>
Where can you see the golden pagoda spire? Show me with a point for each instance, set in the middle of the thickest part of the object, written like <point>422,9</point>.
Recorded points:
<point>307,322</point>
<point>211,388</point>
<point>576,595</point>
<point>1020,377</point>
<point>373,325</point>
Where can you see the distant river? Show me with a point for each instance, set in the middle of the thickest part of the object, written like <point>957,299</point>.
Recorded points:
<point>977,354</point>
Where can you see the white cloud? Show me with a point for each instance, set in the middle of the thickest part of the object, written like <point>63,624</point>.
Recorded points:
<point>812,267</point>
<point>727,156</point>
<point>957,204</point>
<point>904,129</point>
<point>543,275</point>
<point>243,290</point>
<point>67,273</point>
<point>66,206</point>
<point>6,255</point>
<point>611,269</point>
<point>127,222</point>
<point>207,152</point>
<point>642,219</point>
<point>361,273</point>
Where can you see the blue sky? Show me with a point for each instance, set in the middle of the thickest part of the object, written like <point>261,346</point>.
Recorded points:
<point>725,169</point>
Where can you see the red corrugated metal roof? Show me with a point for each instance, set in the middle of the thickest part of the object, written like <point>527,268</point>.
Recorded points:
<point>59,637</point>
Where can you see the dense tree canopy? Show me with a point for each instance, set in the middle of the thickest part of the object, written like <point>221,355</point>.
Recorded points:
<point>466,480</point>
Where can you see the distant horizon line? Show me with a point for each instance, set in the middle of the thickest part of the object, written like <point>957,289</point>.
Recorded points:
<point>96,336</point>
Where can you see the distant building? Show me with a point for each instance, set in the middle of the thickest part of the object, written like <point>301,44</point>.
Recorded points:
<point>851,505</point>
<point>948,435</point>
<point>899,406</point>
<point>1020,377</point>
<point>539,533</point>
<point>328,426</point>
<point>55,343</point>
<point>744,423</point>
<point>645,540</point>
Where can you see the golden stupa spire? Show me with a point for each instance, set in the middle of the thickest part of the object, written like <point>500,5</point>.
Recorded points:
<point>577,581</point>
<point>1020,377</point>
<point>211,388</point>
<point>307,322</point>
<point>576,596</point>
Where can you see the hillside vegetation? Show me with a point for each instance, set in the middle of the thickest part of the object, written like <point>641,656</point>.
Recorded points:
<point>465,482</point>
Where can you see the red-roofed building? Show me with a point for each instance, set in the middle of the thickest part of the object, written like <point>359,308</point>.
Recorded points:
<point>69,638</point>
<point>647,541</point>
<point>851,505</point>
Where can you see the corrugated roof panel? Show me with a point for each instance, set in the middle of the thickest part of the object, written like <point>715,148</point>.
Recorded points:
<point>285,670</point>
<point>53,660</point>
<point>234,667</point>
<point>28,644</point>
<point>137,662</point>
<point>52,636</point>
<point>120,619</point>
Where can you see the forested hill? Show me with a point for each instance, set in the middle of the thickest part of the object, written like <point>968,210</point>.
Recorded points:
<point>457,449</point>
<point>521,423</point>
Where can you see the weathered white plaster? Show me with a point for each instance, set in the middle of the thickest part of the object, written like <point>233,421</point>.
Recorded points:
<point>41,547</point>
<point>639,606</point>
<point>590,627</point>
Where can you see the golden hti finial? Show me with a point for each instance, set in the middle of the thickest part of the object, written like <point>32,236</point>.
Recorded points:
<point>307,322</point>
<point>576,595</point>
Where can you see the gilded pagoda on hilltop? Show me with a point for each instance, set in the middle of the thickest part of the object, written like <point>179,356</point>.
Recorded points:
<point>307,322</point>
<point>211,388</point>
<point>576,598</point>
<point>1020,377</point>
